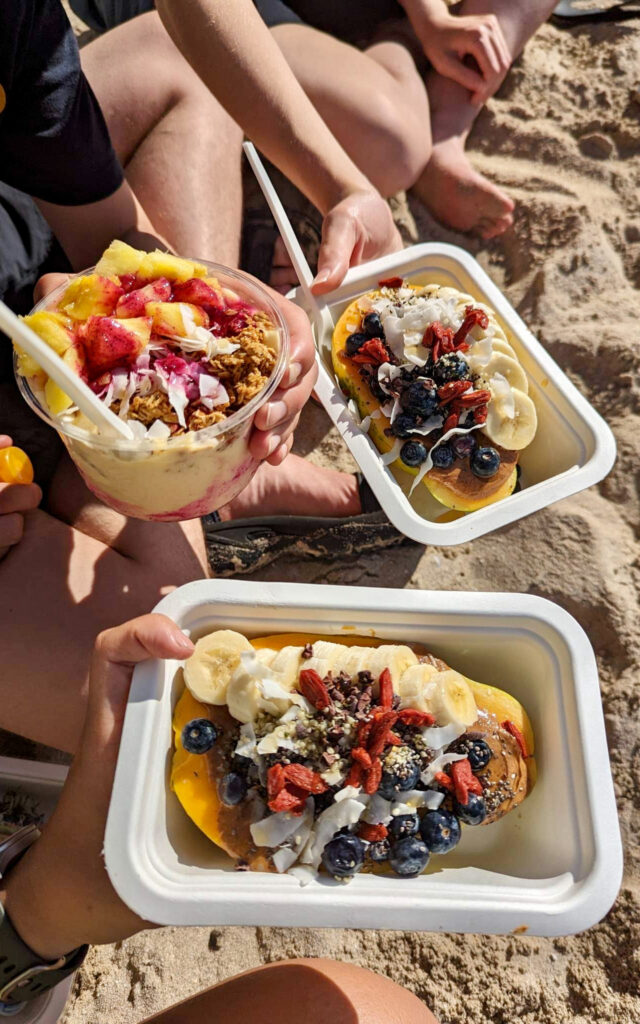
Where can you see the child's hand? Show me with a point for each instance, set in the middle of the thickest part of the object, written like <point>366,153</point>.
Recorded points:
<point>15,500</point>
<point>447,42</point>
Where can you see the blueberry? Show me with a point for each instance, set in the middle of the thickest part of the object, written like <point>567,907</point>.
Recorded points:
<point>450,367</point>
<point>372,326</point>
<point>478,752</point>
<point>403,825</point>
<point>463,445</point>
<point>485,462</point>
<point>473,812</point>
<point>403,425</point>
<point>355,342</point>
<point>232,788</point>
<point>420,398</point>
<point>199,735</point>
<point>440,831</point>
<point>413,453</point>
<point>343,856</point>
<point>379,852</point>
<point>409,857</point>
<point>442,456</point>
<point>400,772</point>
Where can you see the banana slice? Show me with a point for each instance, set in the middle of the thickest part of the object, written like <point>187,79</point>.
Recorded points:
<point>325,656</point>
<point>287,665</point>
<point>416,687</point>
<point>452,701</point>
<point>502,345</point>
<point>208,671</point>
<point>506,366</point>
<point>512,423</point>
<point>245,701</point>
<point>352,660</point>
<point>397,658</point>
<point>266,656</point>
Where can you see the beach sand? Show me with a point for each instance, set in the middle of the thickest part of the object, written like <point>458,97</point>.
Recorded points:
<point>563,138</point>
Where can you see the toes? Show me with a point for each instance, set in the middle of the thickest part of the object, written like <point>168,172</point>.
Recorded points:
<point>489,228</point>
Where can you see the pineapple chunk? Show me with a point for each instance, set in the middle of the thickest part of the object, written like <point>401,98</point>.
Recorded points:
<point>92,295</point>
<point>176,317</point>
<point>55,329</point>
<point>56,398</point>
<point>163,264</point>
<point>119,259</point>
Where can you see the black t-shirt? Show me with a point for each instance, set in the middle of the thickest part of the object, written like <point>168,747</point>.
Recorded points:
<point>54,143</point>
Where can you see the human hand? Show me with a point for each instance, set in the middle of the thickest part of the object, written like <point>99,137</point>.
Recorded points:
<point>275,422</point>
<point>15,500</point>
<point>358,228</point>
<point>59,895</point>
<point>449,39</point>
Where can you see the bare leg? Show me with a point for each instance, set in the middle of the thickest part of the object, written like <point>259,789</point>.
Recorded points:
<point>374,101</point>
<point>180,150</point>
<point>450,187</point>
<point>296,488</point>
<point>313,991</point>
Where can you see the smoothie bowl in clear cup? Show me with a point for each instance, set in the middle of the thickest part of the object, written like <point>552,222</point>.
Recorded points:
<point>187,376</point>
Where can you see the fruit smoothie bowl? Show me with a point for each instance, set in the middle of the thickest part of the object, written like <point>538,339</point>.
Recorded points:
<point>185,353</point>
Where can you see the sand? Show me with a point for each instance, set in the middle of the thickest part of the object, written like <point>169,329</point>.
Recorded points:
<point>563,138</point>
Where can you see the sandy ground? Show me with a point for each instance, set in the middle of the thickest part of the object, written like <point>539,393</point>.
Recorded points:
<point>563,138</point>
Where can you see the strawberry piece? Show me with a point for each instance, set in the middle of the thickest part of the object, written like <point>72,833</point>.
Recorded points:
<point>198,292</point>
<point>134,302</point>
<point>386,689</point>
<point>372,833</point>
<point>391,282</point>
<point>418,719</point>
<point>312,687</point>
<point>304,778</point>
<point>360,755</point>
<point>373,777</point>
<point>464,781</point>
<point>109,343</point>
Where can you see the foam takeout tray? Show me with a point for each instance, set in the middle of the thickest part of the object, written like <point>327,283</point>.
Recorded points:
<point>573,448</point>
<point>553,866</point>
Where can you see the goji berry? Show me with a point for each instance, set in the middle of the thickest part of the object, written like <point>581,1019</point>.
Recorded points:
<point>360,755</point>
<point>386,689</point>
<point>373,352</point>
<point>471,318</point>
<point>354,778</point>
<point>443,780</point>
<point>312,687</point>
<point>373,777</point>
<point>305,778</point>
<point>391,282</point>
<point>517,735</point>
<point>450,422</point>
<point>276,780</point>
<point>464,781</point>
<point>372,833</point>
<point>419,719</point>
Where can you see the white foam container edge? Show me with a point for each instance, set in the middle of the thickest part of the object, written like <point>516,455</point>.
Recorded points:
<point>553,866</point>
<point>573,449</point>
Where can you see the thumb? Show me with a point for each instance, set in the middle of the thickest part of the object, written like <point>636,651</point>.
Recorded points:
<point>336,251</point>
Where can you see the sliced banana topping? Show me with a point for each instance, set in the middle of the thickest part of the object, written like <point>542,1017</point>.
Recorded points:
<point>504,366</point>
<point>209,670</point>
<point>397,658</point>
<point>512,424</point>
<point>452,701</point>
<point>286,665</point>
<point>416,687</point>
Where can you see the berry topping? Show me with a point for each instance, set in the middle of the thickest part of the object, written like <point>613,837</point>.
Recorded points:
<point>355,342</point>
<point>403,825</point>
<point>199,735</point>
<point>463,445</point>
<point>232,789</point>
<point>372,325</point>
<point>409,857</point>
<point>420,398</point>
<point>378,852</point>
<point>343,856</point>
<point>473,812</point>
<point>485,462</point>
<point>440,831</point>
<point>403,425</point>
<point>451,366</point>
<point>400,771</point>
<point>413,453</point>
<point>478,752</point>
<point>442,456</point>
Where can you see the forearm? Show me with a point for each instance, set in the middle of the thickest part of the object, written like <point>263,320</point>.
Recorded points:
<point>422,13</point>
<point>231,49</point>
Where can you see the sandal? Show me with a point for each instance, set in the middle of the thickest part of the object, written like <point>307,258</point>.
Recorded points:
<point>240,546</point>
<point>571,12</point>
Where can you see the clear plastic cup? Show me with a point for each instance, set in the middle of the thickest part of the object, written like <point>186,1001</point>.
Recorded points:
<point>181,477</point>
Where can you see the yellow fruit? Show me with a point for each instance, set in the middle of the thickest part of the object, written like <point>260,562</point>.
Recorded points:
<point>456,501</point>
<point>92,295</point>
<point>163,264</point>
<point>55,329</point>
<point>15,466</point>
<point>118,259</point>
<point>175,317</point>
<point>188,780</point>
<point>56,398</point>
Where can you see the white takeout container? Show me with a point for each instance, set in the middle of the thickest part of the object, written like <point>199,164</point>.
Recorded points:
<point>573,448</point>
<point>553,866</point>
<point>42,781</point>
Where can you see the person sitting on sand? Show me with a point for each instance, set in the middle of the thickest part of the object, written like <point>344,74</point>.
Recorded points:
<point>73,566</point>
<point>57,897</point>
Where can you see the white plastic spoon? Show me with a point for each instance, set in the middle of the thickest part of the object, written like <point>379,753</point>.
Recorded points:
<point>96,411</point>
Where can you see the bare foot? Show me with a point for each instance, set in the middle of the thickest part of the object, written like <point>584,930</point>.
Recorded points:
<point>297,488</point>
<point>283,276</point>
<point>460,197</point>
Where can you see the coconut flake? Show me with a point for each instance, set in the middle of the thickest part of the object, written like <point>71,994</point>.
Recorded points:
<point>502,394</point>
<point>347,793</point>
<point>335,817</point>
<point>415,798</point>
<point>158,431</point>
<point>378,811</point>
<point>393,453</point>
<point>271,743</point>
<point>438,764</point>
<point>304,875</point>
<point>275,829</point>
<point>246,745</point>
<point>437,738</point>
<point>428,463</point>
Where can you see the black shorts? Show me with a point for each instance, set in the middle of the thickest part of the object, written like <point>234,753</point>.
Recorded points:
<point>355,21</point>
